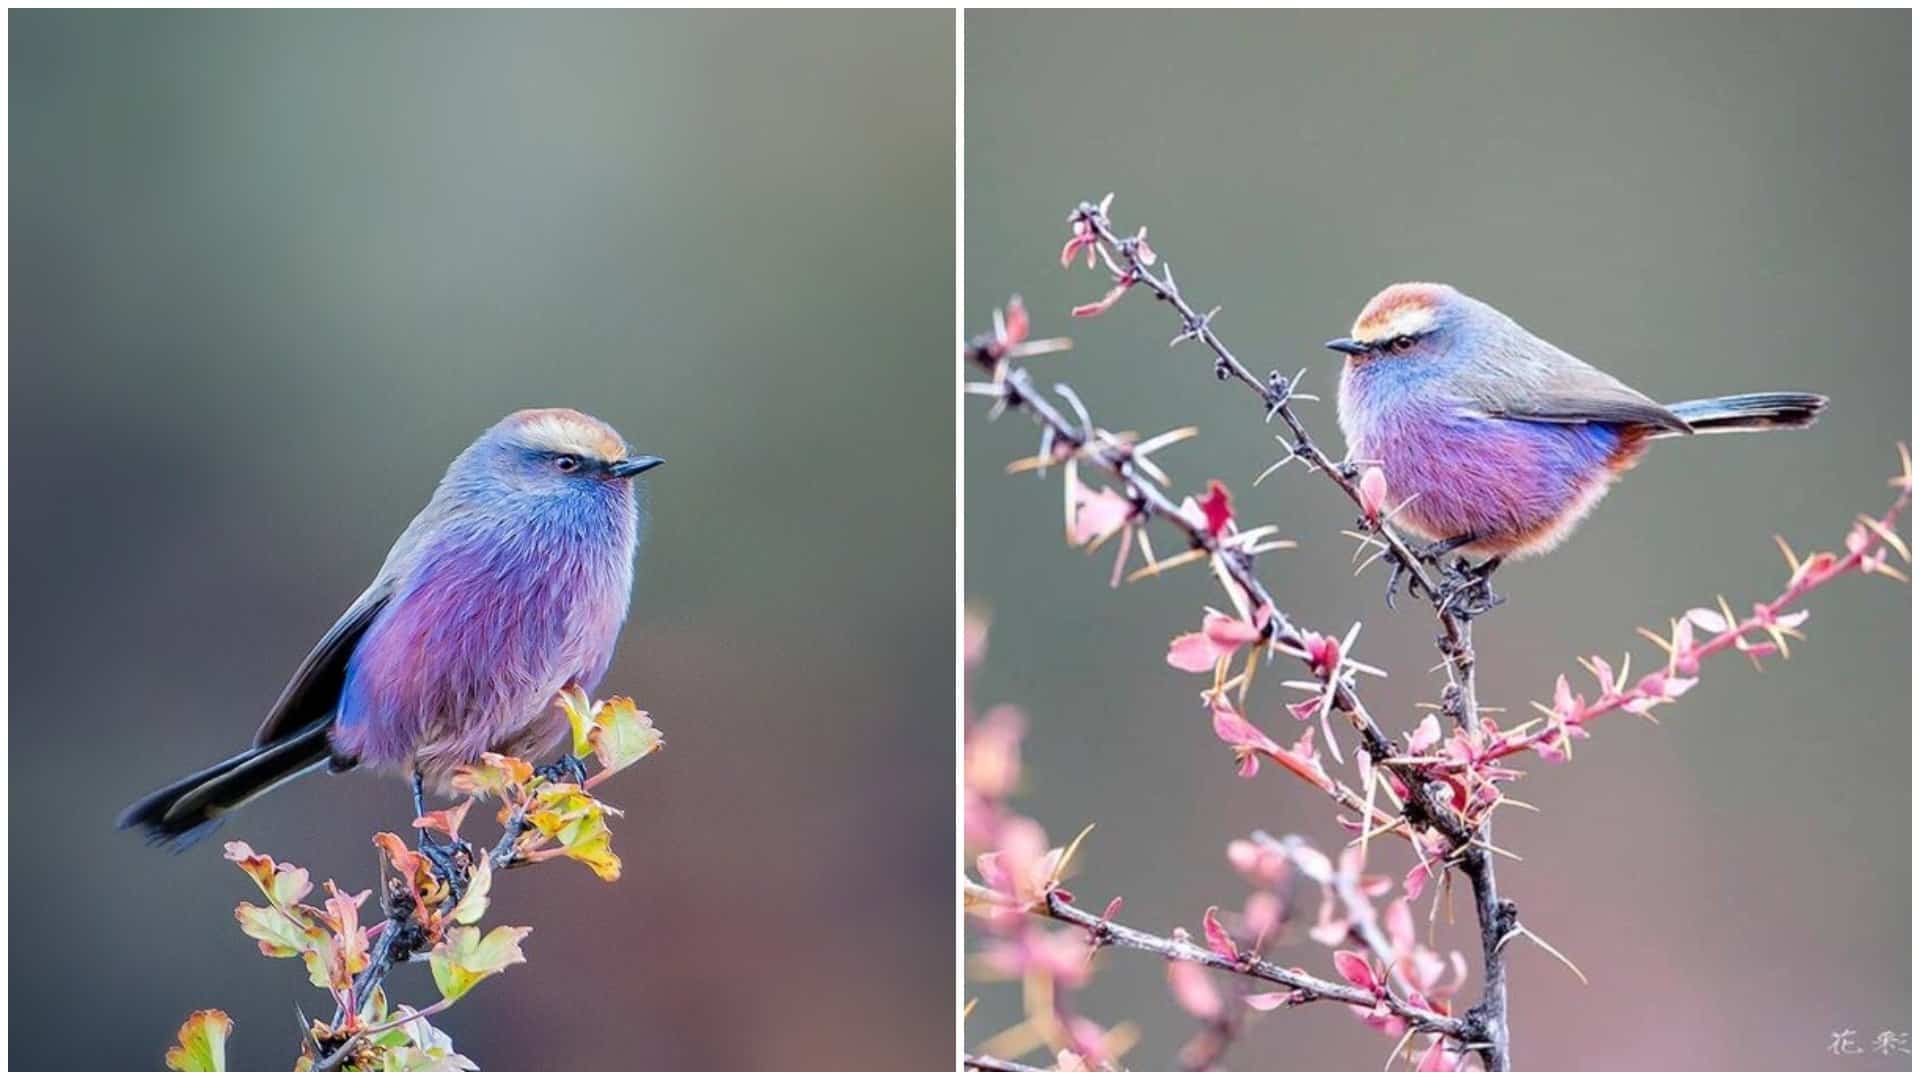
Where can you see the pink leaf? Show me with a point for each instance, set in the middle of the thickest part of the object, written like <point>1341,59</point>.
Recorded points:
<point>1425,737</point>
<point>1193,652</point>
<point>1354,968</point>
<point>1217,938</point>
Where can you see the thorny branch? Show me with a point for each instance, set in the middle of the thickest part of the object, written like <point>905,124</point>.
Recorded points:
<point>1131,261</point>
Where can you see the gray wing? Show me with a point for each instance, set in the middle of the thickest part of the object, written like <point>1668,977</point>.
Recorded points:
<point>1579,394</point>
<point>314,690</point>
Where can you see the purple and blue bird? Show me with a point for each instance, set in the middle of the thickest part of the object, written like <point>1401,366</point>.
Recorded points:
<point>1502,441</point>
<point>509,586</point>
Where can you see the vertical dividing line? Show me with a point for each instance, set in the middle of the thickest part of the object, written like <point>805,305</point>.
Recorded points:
<point>959,523</point>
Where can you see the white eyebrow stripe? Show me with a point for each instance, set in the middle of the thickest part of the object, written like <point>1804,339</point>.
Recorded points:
<point>559,434</point>
<point>1409,320</point>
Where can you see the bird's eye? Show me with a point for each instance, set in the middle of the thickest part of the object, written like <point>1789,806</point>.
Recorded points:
<point>567,463</point>
<point>1401,344</point>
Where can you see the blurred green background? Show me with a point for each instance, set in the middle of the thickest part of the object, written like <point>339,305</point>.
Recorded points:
<point>1697,203</point>
<point>270,272</point>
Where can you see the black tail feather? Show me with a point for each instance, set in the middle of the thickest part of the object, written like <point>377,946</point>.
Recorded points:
<point>1751,412</point>
<point>184,812</point>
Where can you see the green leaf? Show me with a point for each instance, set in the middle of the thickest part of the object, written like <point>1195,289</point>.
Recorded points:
<point>203,1043</point>
<point>464,958</point>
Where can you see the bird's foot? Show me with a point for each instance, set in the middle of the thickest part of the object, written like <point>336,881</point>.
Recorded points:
<point>568,770</point>
<point>1466,591</point>
<point>1396,573</point>
<point>1435,553</point>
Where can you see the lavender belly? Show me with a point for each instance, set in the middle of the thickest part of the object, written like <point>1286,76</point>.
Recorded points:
<point>1510,483</point>
<point>469,657</point>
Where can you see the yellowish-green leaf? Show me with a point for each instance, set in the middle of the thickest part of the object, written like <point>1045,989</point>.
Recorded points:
<point>277,934</point>
<point>473,903</point>
<point>622,734</point>
<point>464,957</point>
<point>283,883</point>
<point>573,701</point>
<point>202,1043</point>
<point>578,822</point>
<point>496,775</point>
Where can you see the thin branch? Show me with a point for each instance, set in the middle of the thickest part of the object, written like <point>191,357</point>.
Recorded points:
<point>988,1063</point>
<point>1306,988</point>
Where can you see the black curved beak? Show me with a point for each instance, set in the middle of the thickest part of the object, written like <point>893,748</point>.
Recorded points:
<point>634,466</point>
<point>1348,346</point>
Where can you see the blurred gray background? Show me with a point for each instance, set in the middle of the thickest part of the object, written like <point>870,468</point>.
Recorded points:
<point>270,273</point>
<point>1697,203</point>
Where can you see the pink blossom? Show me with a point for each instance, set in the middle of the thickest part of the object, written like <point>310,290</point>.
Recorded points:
<point>1193,989</point>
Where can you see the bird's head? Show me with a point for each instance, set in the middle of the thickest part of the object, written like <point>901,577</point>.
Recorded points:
<point>558,452</point>
<point>1412,321</point>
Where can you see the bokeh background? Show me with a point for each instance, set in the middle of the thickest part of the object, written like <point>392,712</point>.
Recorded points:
<point>270,272</point>
<point>1699,204</point>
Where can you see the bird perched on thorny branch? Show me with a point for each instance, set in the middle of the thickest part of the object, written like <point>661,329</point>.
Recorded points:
<point>509,586</point>
<point>1497,442</point>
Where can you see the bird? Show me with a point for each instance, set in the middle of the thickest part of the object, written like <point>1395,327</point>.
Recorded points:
<point>1497,442</point>
<point>509,586</point>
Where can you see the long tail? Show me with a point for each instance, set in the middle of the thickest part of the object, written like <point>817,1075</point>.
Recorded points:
<point>1750,412</point>
<point>185,811</point>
